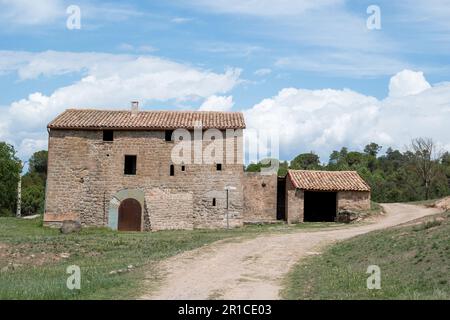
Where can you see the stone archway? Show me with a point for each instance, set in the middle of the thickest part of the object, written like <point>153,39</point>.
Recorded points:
<point>116,201</point>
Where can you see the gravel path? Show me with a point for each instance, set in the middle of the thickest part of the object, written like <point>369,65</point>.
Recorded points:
<point>254,269</point>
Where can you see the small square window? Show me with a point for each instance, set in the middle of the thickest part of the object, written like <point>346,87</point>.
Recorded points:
<point>130,165</point>
<point>108,135</point>
<point>168,135</point>
<point>218,166</point>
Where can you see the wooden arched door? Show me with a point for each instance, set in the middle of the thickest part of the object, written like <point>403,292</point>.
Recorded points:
<point>129,215</point>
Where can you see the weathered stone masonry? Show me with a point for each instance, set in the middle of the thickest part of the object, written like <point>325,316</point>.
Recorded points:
<point>86,177</point>
<point>352,192</point>
<point>260,197</point>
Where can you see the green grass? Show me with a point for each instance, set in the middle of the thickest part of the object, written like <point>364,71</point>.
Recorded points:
<point>97,251</point>
<point>414,263</point>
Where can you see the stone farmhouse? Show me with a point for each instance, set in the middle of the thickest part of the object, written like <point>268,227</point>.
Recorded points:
<point>120,169</point>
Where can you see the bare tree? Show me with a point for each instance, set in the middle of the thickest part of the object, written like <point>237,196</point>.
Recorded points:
<point>425,158</point>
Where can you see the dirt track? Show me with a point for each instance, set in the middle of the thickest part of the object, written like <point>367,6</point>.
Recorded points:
<point>253,269</point>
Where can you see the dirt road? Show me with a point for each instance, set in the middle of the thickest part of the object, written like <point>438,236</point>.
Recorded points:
<point>253,269</point>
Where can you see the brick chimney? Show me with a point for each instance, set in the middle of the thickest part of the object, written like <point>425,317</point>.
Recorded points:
<point>134,108</point>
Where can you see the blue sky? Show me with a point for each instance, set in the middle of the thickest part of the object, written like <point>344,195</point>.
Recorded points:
<point>312,69</point>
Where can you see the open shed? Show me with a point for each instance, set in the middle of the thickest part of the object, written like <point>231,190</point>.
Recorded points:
<point>313,195</point>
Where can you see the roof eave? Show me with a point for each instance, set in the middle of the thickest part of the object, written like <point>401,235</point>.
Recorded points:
<point>134,128</point>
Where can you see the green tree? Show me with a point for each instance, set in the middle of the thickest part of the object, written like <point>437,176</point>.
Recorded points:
<point>38,162</point>
<point>355,159</point>
<point>9,178</point>
<point>33,184</point>
<point>306,161</point>
<point>283,169</point>
<point>372,149</point>
<point>425,159</point>
<point>256,167</point>
<point>33,199</point>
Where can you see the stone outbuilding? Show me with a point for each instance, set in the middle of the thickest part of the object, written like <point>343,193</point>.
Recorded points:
<point>313,195</point>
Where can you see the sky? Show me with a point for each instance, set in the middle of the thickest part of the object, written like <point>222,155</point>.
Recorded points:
<point>316,72</point>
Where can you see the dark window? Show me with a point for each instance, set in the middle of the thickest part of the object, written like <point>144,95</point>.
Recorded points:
<point>169,135</point>
<point>219,167</point>
<point>214,202</point>
<point>130,165</point>
<point>183,168</point>
<point>172,170</point>
<point>108,135</point>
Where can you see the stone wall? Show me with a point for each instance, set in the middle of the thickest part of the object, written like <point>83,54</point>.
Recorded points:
<point>294,203</point>
<point>354,200</point>
<point>85,172</point>
<point>260,197</point>
<point>170,210</point>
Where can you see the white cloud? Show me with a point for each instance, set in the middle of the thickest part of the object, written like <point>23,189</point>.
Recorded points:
<point>324,120</point>
<point>217,103</point>
<point>329,36</point>
<point>407,83</point>
<point>30,65</point>
<point>108,81</point>
<point>343,62</point>
<point>232,49</point>
<point>263,72</point>
<point>263,8</point>
<point>180,20</point>
<point>24,12</point>
<point>140,48</point>
<point>29,146</point>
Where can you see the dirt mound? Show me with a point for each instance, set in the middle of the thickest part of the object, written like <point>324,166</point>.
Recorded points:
<point>443,204</point>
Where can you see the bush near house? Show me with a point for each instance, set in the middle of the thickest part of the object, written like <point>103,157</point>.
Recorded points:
<point>33,184</point>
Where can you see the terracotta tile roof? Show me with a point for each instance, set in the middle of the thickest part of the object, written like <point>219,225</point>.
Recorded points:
<point>327,180</point>
<point>145,120</point>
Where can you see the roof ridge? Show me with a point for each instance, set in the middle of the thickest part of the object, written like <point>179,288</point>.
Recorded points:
<point>100,119</point>
<point>322,170</point>
<point>328,180</point>
<point>143,110</point>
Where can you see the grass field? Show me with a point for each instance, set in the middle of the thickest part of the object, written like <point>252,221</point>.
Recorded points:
<point>33,259</point>
<point>414,262</point>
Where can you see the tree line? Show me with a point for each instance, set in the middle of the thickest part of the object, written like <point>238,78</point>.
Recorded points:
<point>421,172</point>
<point>32,183</point>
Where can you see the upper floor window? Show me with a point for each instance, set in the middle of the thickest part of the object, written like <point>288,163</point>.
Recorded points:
<point>130,165</point>
<point>168,135</point>
<point>172,170</point>
<point>218,166</point>
<point>108,135</point>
